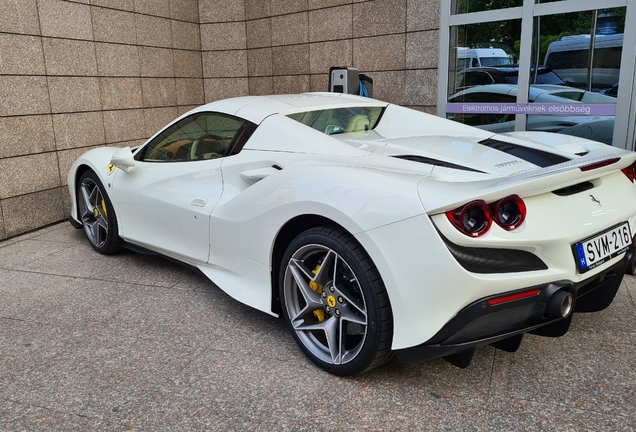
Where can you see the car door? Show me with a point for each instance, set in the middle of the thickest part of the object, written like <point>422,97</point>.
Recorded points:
<point>165,201</point>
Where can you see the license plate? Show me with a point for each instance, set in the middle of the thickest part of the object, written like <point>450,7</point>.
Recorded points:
<point>594,251</point>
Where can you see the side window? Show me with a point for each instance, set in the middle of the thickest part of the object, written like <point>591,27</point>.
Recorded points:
<point>200,136</point>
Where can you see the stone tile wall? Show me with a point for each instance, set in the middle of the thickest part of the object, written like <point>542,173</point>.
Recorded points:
<point>76,74</point>
<point>291,44</point>
<point>80,74</point>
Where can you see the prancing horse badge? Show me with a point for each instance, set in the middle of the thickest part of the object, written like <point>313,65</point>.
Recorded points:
<point>595,200</point>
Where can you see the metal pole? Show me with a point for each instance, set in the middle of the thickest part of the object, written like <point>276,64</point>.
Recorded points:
<point>590,64</point>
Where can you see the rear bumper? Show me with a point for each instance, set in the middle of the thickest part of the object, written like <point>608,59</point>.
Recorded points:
<point>503,325</point>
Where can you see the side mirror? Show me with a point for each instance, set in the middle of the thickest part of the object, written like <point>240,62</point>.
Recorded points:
<point>123,159</point>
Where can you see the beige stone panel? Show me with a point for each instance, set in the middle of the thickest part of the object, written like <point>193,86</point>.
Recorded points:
<point>78,130</point>
<point>19,16</point>
<point>223,88</point>
<point>115,60</point>
<point>323,55</point>
<point>184,109</point>
<point>28,212</point>
<point>319,83</point>
<point>156,62</point>
<point>261,86</point>
<point>154,31</point>
<point>65,19</point>
<point>120,93</point>
<point>153,7</point>
<point>185,10</point>
<point>422,49</point>
<point>389,86</point>
<point>157,118</point>
<point>259,33</point>
<point>221,11</point>
<point>330,24</point>
<point>225,64</point>
<point>21,55</point>
<point>72,94</point>
<point>259,62</point>
<point>290,60</point>
<point>187,64</point>
<point>223,36</point>
<point>66,159</point>
<point>26,174</point>
<point>379,17</point>
<point>22,95</point>
<point>158,92</point>
<point>26,135</point>
<point>290,29</point>
<point>319,4</point>
<point>114,26</point>
<point>255,9</point>
<point>422,15</point>
<point>124,125</point>
<point>185,35</point>
<point>190,91</point>
<point>69,57</point>
<point>290,84</point>
<point>282,7</point>
<point>115,4</point>
<point>379,53</point>
<point>420,87</point>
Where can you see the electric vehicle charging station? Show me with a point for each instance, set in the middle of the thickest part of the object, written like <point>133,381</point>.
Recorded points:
<point>348,80</point>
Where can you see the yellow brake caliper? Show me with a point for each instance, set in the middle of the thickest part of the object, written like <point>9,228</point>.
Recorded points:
<point>103,204</point>
<point>318,313</point>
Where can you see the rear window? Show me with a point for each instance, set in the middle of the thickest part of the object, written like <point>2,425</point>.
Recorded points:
<point>340,120</point>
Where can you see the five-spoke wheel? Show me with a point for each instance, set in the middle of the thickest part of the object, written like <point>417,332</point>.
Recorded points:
<point>97,215</point>
<point>335,302</point>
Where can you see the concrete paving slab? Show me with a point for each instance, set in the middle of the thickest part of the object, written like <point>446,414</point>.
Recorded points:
<point>514,414</point>
<point>588,371</point>
<point>82,261</point>
<point>18,416</point>
<point>17,255</point>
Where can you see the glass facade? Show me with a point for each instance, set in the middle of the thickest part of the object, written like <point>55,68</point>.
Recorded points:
<point>540,71</point>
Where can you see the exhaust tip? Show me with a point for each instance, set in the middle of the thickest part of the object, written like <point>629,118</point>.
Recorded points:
<point>560,304</point>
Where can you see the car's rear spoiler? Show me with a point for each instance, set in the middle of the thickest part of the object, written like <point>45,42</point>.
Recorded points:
<point>438,196</point>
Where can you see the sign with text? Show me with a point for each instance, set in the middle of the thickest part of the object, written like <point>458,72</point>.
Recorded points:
<point>582,109</point>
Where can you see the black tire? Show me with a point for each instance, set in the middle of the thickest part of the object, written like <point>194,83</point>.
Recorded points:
<point>335,302</point>
<point>96,213</point>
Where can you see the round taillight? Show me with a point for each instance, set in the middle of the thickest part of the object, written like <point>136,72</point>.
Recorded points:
<point>473,219</point>
<point>510,212</point>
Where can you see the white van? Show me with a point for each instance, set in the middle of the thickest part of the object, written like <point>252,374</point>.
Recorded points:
<point>569,59</point>
<point>476,57</point>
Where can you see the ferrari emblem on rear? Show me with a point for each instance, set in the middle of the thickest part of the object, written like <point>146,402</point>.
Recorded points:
<point>595,200</point>
<point>110,168</point>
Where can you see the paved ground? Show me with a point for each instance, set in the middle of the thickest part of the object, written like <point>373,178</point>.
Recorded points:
<point>133,342</point>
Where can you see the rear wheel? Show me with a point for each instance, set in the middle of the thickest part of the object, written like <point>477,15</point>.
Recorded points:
<point>97,214</point>
<point>335,303</point>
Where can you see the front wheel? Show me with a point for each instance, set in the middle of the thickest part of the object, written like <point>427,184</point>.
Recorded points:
<point>97,214</point>
<point>335,303</point>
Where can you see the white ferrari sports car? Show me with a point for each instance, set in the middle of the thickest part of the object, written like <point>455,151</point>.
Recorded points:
<point>373,229</point>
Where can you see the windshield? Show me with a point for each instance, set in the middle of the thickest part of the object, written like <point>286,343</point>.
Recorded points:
<point>340,120</point>
<point>495,61</point>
